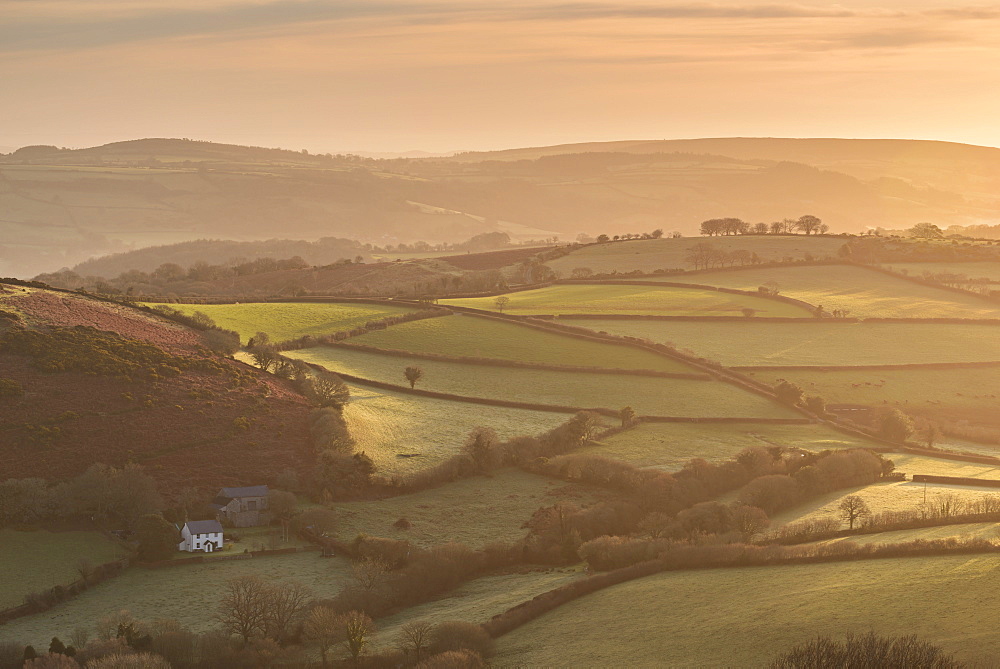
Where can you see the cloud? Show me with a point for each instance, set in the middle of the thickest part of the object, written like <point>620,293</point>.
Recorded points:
<point>888,39</point>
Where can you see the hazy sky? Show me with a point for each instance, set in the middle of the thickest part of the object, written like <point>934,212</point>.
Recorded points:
<point>387,75</point>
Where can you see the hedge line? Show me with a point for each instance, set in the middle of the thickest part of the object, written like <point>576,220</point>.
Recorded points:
<point>702,286</point>
<point>900,366</point>
<point>38,602</point>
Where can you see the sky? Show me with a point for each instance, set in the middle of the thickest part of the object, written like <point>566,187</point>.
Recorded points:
<point>400,75</point>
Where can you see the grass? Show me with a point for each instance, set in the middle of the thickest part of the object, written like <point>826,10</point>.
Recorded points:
<point>189,594</point>
<point>669,446</point>
<point>973,270</point>
<point>44,559</point>
<point>486,338</point>
<point>476,601</point>
<point>654,254</point>
<point>289,320</point>
<point>964,531</point>
<point>864,292</point>
<point>387,424</point>
<point>474,511</point>
<point>647,395</point>
<point>639,300</point>
<point>759,343</point>
<point>743,617</point>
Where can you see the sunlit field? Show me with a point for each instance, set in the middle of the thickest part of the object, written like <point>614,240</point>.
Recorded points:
<point>759,343</point>
<point>989,531</point>
<point>743,617</point>
<point>863,292</point>
<point>289,320</point>
<point>639,300</point>
<point>649,396</point>
<point>973,270</point>
<point>470,336</point>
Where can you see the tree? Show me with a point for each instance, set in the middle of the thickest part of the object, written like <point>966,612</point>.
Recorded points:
<point>264,355</point>
<point>369,572</point>
<point>816,404</point>
<point>866,650</point>
<point>357,627</point>
<point>788,392</point>
<point>413,374</point>
<point>328,390</point>
<point>585,425</point>
<point>626,415</point>
<point>243,610</point>
<point>852,508</point>
<point>481,445</point>
<point>129,661</point>
<point>748,312</point>
<point>322,627</point>
<point>601,239</point>
<point>415,636</point>
<point>748,521</point>
<point>581,272</point>
<point>926,231</point>
<point>895,425</point>
<point>808,224</point>
<point>286,604</point>
<point>157,538</point>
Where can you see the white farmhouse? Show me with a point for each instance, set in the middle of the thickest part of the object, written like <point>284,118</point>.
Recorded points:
<point>201,535</point>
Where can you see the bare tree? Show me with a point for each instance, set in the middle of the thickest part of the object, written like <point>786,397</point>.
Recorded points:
<point>285,607</point>
<point>501,302</point>
<point>243,610</point>
<point>415,636</point>
<point>369,572</point>
<point>356,627</point>
<point>748,521</point>
<point>852,508</point>
<point>322,626</point>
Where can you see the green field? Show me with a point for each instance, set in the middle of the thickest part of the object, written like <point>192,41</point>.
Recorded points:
<point>472,511</point>
<point>951,394</point>
<point>289,320</point>
<point>759,343</point>
<point>639,300</point>
<point>743,617</point>
<point>649,255</point>
<point>44,559</point>
<point>390,426</point>
<point>865,293</point>
<point>670,445</point>
<point>187,593</point>
<point>470,336</point>
<point>477,601</point>
<point>973,270</point>
<point>647,395</point>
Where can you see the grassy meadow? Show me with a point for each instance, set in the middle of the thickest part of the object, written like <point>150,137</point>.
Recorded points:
<point>649,396</point>
<point>473,511</point>
<point>670,445</point>
<point>973,270</point>
<point>862,291</point>
<point>289,320</point>
<point>743,617</point>
<point>759,343</point>
<point>43,559</point>
<point>469,336</point>
<point>187,593</point>
<point>649,255</point>
<point>638,300</point>
<point>389,426</point>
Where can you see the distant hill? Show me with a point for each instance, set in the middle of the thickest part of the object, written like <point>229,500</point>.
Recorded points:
<point>107,383</point>
<point>62,207</point>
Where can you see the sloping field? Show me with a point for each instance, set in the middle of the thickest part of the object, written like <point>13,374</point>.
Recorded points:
<point>973,270</point>
<point>470,336</point>
<point>952,394</point>
<point>889,496</point>
<point>289,320</point>
<point>405,433</point>
<point>964,531</point>
<point>189,594</point>
<point>864,292</point>
<point>743,617</point>
<point>476,601</point>
<point>472,511</point>
<point>649,396</point>
<point>42,559</point>
<point>670,445</point>
<point>649,255</point>
<point>753,343</point>
<point>640,300</point>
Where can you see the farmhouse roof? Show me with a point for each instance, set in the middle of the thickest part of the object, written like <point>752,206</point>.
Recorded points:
<point>203,526</point>
<point>248,491</point>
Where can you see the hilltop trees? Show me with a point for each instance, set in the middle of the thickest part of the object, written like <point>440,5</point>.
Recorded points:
<point>808,224</point>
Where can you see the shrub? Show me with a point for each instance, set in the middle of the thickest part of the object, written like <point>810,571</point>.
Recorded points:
<point>453,659</point>
<point>457,635</point>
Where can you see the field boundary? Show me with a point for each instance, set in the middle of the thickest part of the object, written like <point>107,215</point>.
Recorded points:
<point>210,559</point>
<point>495,362</point>
<point>61,593</point>
<point>899,366</point>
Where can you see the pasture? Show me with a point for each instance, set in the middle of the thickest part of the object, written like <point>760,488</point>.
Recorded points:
<point>759,343</point>
<point>43,559</point>
<point>638,300</point>
<point>649,396</point>
<point>289,320</point>
<point>186,593</point>
<point>405,433</point>
<point>973,270</point>
<point>649,255</point>
<point>473,511</point>
<point>865,293</point>
<point>743,617</point>
<point>962,531</point>
<point>470,336</point>
<point>670,446</point>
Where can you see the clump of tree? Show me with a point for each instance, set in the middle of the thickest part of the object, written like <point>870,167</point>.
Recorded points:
<point>866,650</point>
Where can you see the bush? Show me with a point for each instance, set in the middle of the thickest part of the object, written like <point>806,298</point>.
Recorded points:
<point>453,659</point>
<point>866,650</point>
<point>457,636</point>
